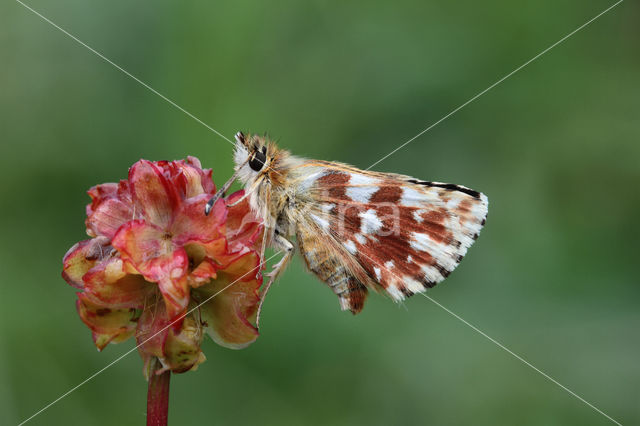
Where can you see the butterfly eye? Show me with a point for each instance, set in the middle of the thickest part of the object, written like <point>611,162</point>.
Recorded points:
<point>257,160</point>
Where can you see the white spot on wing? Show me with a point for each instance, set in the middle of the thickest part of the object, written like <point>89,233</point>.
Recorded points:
<point>445,254</point>
<point>350,246</point>
<point>310,178</point>
<point>473,227</point>
<point>361,187</point>
<point>370,223</point>
<point>420,242</point>
<point>360,179</point>
<point>361,239</point>
<point>453,203</point>
<point>413,285</point>
<point>389,264</point>
<point>376,270</point>
<point>327,207</point>
<point>417,215</point>
<point>321,222</point>
<point>411,197</point>
<point>431,274</point>
<point>479,208</point>
<point>394,292</point>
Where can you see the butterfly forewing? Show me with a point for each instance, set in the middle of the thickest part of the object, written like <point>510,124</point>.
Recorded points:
<point>398,233</point>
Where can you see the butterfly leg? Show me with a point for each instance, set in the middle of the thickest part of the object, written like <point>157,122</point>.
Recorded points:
<point>281,243</point>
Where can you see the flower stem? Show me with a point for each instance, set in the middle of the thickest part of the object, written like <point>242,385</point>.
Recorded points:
<point>158,397</point>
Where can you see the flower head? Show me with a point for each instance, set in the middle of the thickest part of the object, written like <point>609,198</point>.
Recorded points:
<point>155,260</point>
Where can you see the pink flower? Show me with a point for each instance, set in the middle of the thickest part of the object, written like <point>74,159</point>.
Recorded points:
<point>154,256</point>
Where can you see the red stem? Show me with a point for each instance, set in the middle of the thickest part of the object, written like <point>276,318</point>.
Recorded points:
<point>158,397</point>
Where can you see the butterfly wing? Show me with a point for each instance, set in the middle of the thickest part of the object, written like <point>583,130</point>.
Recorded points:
<point>390,231</point>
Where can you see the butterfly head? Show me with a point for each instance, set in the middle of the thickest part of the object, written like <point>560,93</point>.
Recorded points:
<point>253,159</point>
<point>252,156</point>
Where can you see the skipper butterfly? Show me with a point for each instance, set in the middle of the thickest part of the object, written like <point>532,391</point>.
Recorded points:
<point>357,230</point>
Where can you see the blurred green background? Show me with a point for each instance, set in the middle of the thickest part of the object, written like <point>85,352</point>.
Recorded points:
<point>555,147</point>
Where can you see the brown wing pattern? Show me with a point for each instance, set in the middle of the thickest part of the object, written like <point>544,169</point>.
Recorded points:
<point>386,230</point>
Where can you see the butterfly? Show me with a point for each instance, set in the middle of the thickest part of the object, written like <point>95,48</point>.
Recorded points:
<point>357,230</point>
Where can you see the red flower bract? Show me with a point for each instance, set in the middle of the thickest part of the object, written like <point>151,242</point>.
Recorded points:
<point>154,256</point>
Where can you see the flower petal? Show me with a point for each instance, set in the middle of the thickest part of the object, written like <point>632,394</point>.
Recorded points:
<point>107,217</point>
<point>107,324</point>
<point>124,192</point>
<point>229,309</point>
<point>108,283</point>
<point>82,257</point>
<point>176,296</point>
<point>218,250</point>
<point>193,179</point>
<point>202,273</point>
<point>242,226</point>
<point>182,347</point>
<point>152,253</point>
<point>150,250</point>
<point>245,268</point>
<point>99,193</point>
<point>191,224</point>
<point>178,349</point>
<point>187,176</point>
<point>194,162</point>
<point>152,193</point>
